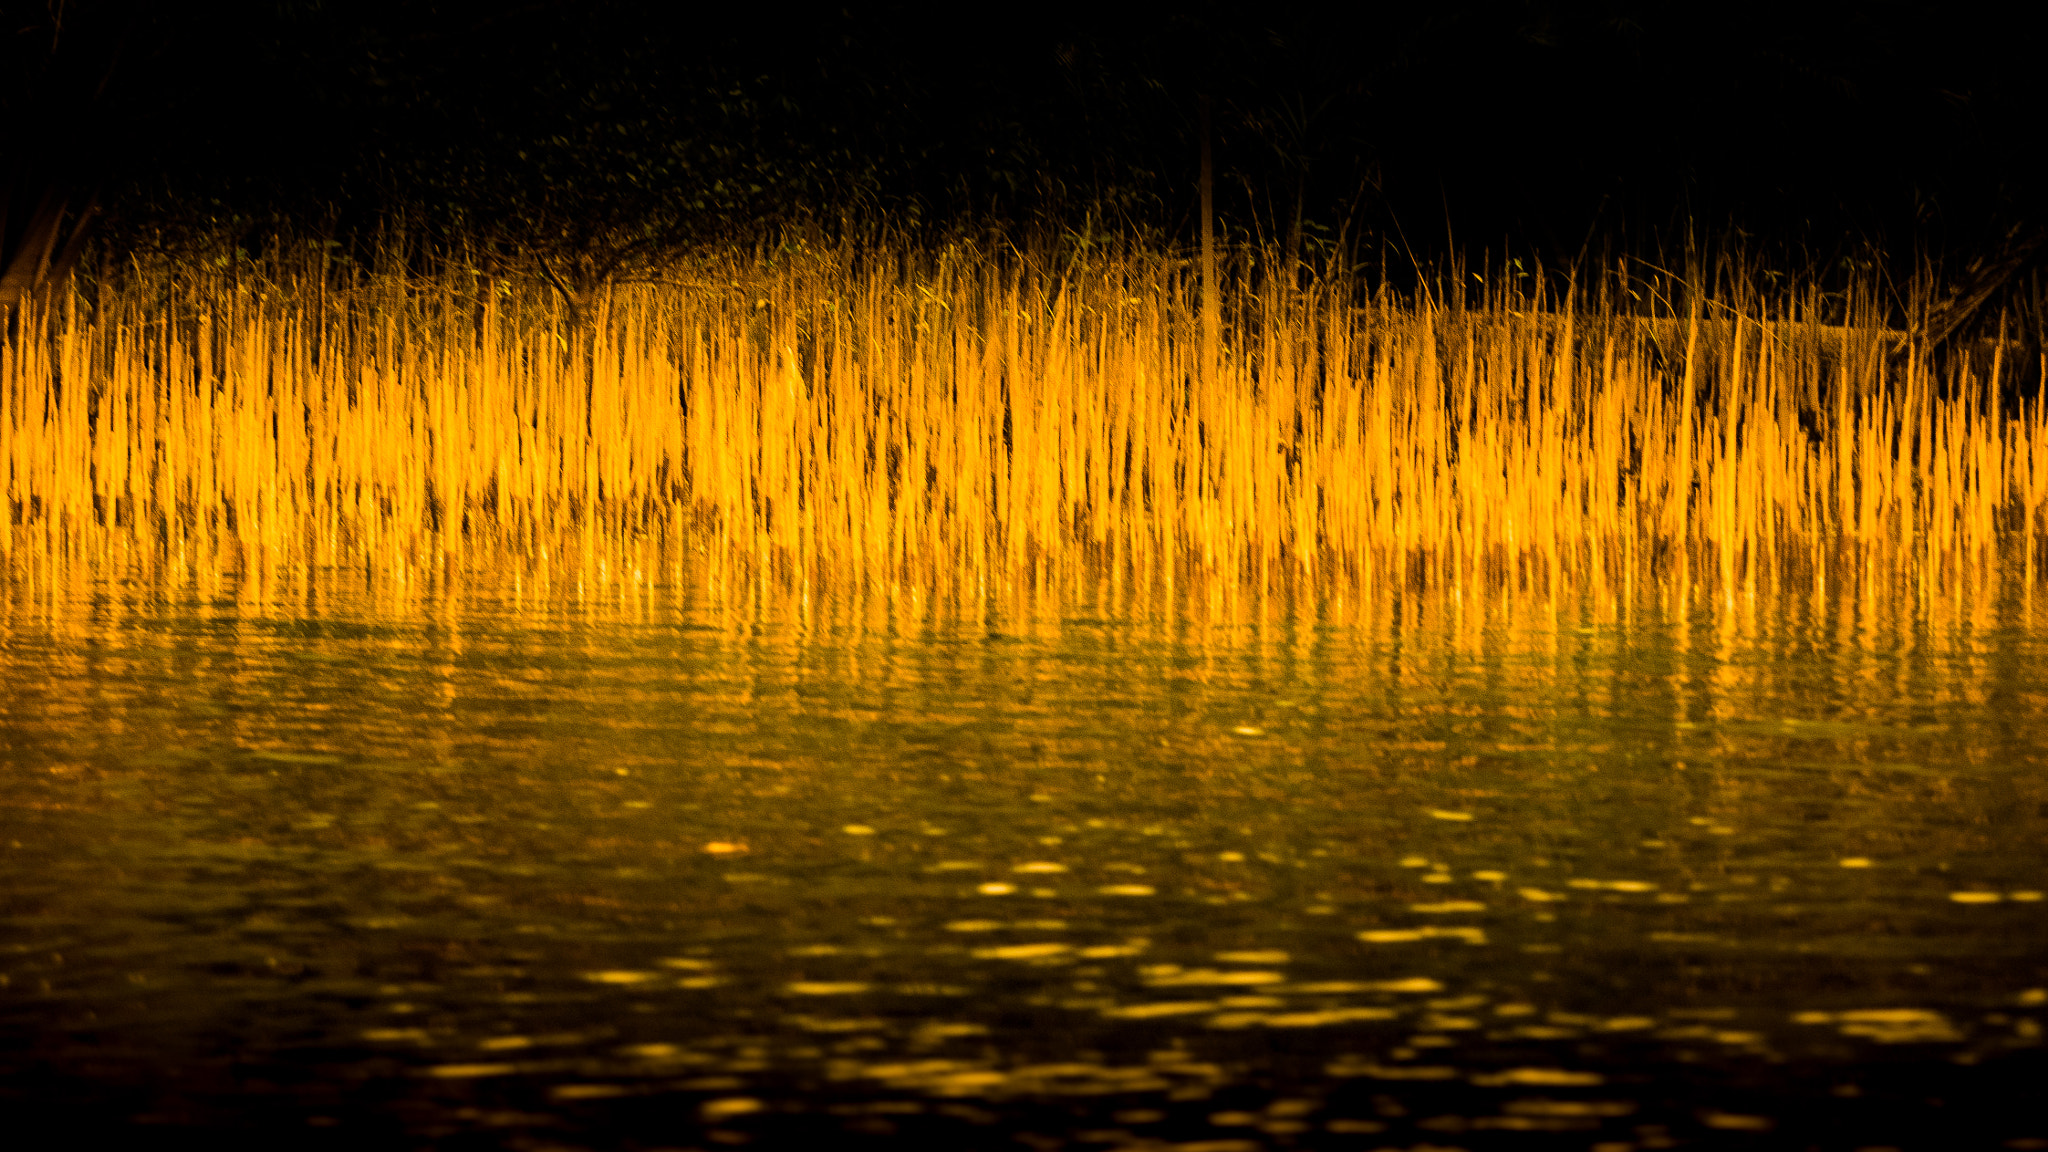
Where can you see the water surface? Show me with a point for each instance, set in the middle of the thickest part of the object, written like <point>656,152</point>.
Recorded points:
<point>677,864</point>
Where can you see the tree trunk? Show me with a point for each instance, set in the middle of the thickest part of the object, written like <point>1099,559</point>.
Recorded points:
<point>43,252</point>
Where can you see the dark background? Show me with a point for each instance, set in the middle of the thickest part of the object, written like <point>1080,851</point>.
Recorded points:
<point>1808,132</point>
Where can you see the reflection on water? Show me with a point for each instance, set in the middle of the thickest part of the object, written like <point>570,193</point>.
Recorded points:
<point>665,857</point>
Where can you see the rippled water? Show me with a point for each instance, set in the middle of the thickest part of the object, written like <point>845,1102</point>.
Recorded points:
<point>688,866</point>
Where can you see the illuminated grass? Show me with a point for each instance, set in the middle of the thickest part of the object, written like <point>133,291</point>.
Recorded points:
<point>873,412</point>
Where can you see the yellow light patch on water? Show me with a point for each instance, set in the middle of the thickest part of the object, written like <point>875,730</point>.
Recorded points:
<point>945,1030</point>
<point>1211,976</point>
<point>1490,876</point>
<point>621,976</point>
<point>1437,878</point>
<point>1612,885</point>
<point>2026,897</point>
<point>955,866</point>
<point>1411,935</point>
<point>1160,1009</point>
<point>1225,1021</point>
<point>1448,814</point>
<point>1126,890</point>
<point>585,1092</point>
<point>687,963</point>
<point>505,1043</point>
<point>996,888</point>
<point>1737,1122</point>
<point>651,1051</point>
<point>1539,1078</point>
<point>1569,1108</point>
<point>825,988</point>
<point>839,1025</point>
<point>1627,1023</point>
<point>715,1110</point>
<point>395,1035</point>
<point>1444,1024</point>
<point>858,830</point>
<point>468,1071</point>
<point>1022,951</point>
<point>1040,866</point>
<point>1255,956</point>
<point>1247,730</point>
<point>966,1083</point>
<point>1416,984</point>
<point>1539,896</point>
<point>1414,861</point>
<point>1327,1017</point>
<point>1230,857</point>
<point>1855,862</point>
<point>725,847</point>
<point>1111,951</point>
<point>1445,906</point>
<point>1897,1025</point>
<point>973,925</point>
<point>1975,897</point>
<point>2033,997</point>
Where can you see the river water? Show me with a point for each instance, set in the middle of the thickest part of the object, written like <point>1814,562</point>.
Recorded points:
<point>679,862</point>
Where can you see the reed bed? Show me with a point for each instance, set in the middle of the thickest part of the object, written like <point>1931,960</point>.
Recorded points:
<point>872,413</point>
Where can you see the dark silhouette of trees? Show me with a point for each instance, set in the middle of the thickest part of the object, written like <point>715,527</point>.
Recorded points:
<point>594,139</point>
<point>55,67</point>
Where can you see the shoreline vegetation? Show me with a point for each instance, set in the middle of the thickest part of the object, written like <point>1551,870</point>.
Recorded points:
<point>868,411</point>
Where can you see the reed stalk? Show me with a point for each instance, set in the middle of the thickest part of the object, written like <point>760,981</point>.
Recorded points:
<point>869,411</point>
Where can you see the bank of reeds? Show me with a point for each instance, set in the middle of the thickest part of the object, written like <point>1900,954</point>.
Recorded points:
<point>875,411</point>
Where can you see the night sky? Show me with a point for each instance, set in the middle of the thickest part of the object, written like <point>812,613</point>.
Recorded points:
<point>1548,129</point>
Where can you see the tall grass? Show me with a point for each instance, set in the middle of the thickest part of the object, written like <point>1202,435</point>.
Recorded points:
<point>873,412</point>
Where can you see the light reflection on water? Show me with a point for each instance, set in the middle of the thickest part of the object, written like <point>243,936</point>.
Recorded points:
<point>681,862</point>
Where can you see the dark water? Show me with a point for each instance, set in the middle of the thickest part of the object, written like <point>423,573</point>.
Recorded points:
<point>690,867</point>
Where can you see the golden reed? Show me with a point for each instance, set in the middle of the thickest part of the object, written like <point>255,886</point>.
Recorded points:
<point>871,413</point>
